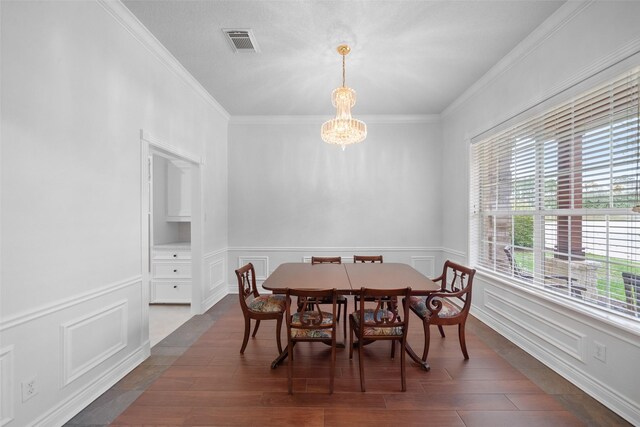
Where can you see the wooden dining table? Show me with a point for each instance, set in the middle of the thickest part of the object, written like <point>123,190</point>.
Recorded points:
<point>348,279</point>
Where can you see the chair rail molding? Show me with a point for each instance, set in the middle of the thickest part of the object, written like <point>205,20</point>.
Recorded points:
<point>63,304</point>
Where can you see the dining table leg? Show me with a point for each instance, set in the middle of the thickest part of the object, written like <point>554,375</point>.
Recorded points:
<point>280,358</point>
<point>412,354</point>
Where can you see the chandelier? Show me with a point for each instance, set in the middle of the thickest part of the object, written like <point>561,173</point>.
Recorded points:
<point>343,129</point>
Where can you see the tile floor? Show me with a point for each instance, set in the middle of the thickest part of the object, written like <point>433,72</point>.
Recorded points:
<point>166,318</point>
<point>577,407</point>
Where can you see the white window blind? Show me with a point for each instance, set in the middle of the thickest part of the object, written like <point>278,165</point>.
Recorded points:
<point>552,199</point>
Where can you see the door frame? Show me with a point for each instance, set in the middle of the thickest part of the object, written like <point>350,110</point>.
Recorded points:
<point>148,146</point>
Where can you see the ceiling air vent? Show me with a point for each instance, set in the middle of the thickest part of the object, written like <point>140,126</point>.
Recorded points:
<point>242,40</point>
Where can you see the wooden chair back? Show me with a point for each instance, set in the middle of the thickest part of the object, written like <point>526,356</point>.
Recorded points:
<point>246,284</point>
<point>456,283</point>
<point>367,258</point>
<point>326,260</point>
<point>307,322</point>
<point>376,300</point>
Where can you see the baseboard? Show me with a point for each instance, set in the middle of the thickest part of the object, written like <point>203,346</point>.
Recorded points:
<point>220,292</point>
<point>81,399</point>
<point>596,389</point>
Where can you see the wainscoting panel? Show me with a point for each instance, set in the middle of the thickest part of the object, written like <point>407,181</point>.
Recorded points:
<point>6,385</point>
<point>424,264</point>
<point>260,264</point>
<point>215,279</point>
<point>92,339</point>
<point>569,341</point>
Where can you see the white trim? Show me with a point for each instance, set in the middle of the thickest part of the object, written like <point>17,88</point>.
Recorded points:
<point>318,120</point>
<point>333,249</point>
<point>570,309</point>
<point>131,23</point>
<point>67,409</point>
<point>579,352</point>
<point>555,22</point>
<point>220,292</point>
<point>600,391</point>
<point>6,386</point>
<point>156,143</point>
<point>71,373</point>
<point>454,252</point>
<point>45,310</point>
<point>215,253</point>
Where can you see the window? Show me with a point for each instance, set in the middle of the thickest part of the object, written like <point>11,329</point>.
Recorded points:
<point>554,199</point>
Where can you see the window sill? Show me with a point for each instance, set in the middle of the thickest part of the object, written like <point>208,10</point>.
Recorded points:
<point>621,322</point>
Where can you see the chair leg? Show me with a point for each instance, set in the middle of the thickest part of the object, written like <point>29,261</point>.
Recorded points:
<point>339,305</point>
<point>344,322</point>
<point>393,349</point>
<point>279,333</point>
<point>256,328</point>
<point>247,329</point>
<point>441,329</point>
<point>350,338</point>
<point>427,339</point>
<point>360,362</point>
<point>290,367</point>
<point>463,342</point>
<point>333,362</point>
<point>403,370</point>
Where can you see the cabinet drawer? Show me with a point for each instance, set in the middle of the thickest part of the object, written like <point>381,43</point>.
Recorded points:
<point>177,254</point>
<point>171,270</point>
<point>171,292</point>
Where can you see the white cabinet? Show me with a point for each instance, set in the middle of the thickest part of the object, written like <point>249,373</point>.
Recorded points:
<point>171,274</point>
<point>178,190</point>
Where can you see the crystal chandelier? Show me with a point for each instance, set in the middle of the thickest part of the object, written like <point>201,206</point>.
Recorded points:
<point>343,130</point>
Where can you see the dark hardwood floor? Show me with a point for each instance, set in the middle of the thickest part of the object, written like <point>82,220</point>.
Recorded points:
<point>197,377</point>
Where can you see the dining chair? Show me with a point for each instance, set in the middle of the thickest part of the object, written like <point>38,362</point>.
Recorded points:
<point>342,300</point>
<point>448,306</point>
<point>256,306</point>
<point>309,323</point>
<point>367,259</point>
<point>632,291</point>
<point>558,281</point>
<point>372,322</point>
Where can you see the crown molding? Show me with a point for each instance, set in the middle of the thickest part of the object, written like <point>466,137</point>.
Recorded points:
<point>131,23</point>
<point>306,120</point>
<point>529,44</point>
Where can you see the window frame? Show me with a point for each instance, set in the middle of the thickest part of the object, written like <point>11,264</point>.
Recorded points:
<point>477,216</point>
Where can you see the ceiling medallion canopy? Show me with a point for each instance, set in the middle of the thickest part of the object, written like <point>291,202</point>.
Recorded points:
<point>343,129</point>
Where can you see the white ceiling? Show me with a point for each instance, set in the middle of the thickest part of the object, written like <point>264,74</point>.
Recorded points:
<point>408,57</point>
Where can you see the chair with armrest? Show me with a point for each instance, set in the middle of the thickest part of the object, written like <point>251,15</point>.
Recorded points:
<point>372,322</point>
<point>342,300</point>
<point>448,306</point>
<point>256,306</point>
<point>575,289</point>
<point>632,291</point>
<point>310,324</point>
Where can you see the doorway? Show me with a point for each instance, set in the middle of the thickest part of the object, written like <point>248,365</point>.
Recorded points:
<point>171,241</point>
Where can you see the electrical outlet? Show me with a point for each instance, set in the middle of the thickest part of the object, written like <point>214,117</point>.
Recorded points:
<point>29,389</point>
<point>600,352</point>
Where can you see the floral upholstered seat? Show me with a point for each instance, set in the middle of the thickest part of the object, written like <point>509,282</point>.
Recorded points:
<point>373,330</point>
<point>268,304</point>
<point>418,305</point>
<point>308,317</point>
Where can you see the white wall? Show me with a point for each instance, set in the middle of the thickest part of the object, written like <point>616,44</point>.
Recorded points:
<point>292,195</point>
<point>580,40</point>
<point>78,85</point>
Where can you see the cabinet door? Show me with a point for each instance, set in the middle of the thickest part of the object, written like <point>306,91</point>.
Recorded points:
<point>178,191</point>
